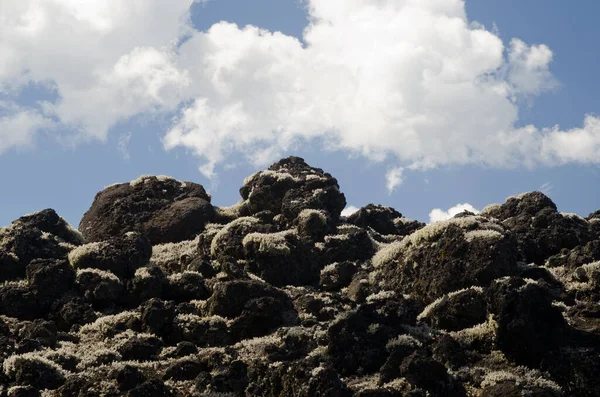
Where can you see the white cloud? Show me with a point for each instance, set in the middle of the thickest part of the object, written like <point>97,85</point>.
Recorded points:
<point>107,60</point>
<point>393,179</point>
<point>19,127</point>
<point>349,210</point>
<point>412,81</point>
<point>438,214</point>
<point>123,145</point>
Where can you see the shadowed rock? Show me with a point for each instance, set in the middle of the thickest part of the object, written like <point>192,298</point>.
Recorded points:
<point>163,209</point>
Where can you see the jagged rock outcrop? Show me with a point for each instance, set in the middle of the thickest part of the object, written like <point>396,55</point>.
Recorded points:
<point>280,295</point>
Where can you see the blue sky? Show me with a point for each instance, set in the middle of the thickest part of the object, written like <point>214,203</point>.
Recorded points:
<point>99,100</point>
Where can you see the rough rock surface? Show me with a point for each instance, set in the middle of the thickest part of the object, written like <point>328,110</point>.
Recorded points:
<point>162,208</point>
<point>280,295</point>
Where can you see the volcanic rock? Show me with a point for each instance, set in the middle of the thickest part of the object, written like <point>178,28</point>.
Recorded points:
<point>163,209</point>
<point>280,295</point>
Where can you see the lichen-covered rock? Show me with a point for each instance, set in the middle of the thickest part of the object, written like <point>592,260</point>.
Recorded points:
<point>140,348</point>
<point>43,235</point>
<point>337,275</point>
<point>350,243</point>
<point>290,186</point>
<point>19,301</point>
<point>227,244</point>
<point>540,229</point>
<point>147,283</point>
<point>314,225</point>
<point>357,340</point>
<point>71,311</point>
<point>121,256</point>
<point>101,288</point>
<point>42,273</point>
<point>529,326</point>
<point>279,295</point>
<point>457,310</point>
<point>447,256</point>
<point>303,378</point>
<point>281,258</point>
<point>44,333</point>
<point>162,208</point>
<point>34,370</point>
<point>384,220</point>
<point>186,286</point>
<point>255,308</point>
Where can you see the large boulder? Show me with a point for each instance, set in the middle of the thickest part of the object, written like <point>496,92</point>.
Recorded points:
<point>281,258</point>
<point>529,326</point>
<point>162,208</point>
<point>43,235</point>
<point>540,229</point>
<point>43,273</point>
<point>290,186</point>
<point>122,256</point>
<point>384,220</point>
<point>256,308</point>
<point>447,256</point>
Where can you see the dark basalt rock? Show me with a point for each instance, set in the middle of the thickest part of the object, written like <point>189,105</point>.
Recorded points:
<point>529,327</point>
<point>163,209</point>
<point>40,331</point>
<point>36,373</point>
<point>442,259</point>
<point>128,377</point>
<point>540,229</point>
<point>256,308</point>
<point>337,275</point>
<point>282,259</point>
<point>357,340</point>
<point>349,244</point>
<point>186,286</point>
<point>101,289</point>
<point>291,186</point>
<point>148,283</point>
<point>426,373</point>
<point>151,388</point>
<point>121,256</point>
<point>282,296</point>
<point>157,317</point>
<point>459,310</point>
<point>72,311</point>
<point>44,272</point>
<point>384,220</point>
<point>184,370</point>
<point>227,246</point>
<point>43,235</point>
<point>140,349</point>
<point>19,301</point>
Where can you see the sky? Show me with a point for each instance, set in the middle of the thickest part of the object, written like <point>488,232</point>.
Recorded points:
<point>428,106</point>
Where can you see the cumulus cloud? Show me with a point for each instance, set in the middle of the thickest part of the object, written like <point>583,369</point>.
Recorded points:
<point>18,126</point>
<point>393,179</point>
<point>412,81</point>
<point>438,214</point>
<point>349,210</point>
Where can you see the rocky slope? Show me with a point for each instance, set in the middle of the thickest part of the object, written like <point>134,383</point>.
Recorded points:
<point>161,293</point>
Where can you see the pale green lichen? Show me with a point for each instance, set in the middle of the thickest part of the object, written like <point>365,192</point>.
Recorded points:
<point>143,179</point>
<point>164,254</point>
<point>484,332</point>
<point>269,243</point>
<point>86,250</point>
<point>426,313</point>
<point>246,221</point>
